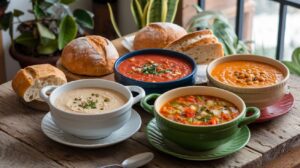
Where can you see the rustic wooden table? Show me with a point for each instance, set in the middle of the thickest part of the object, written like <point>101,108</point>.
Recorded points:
<point>22,143</point>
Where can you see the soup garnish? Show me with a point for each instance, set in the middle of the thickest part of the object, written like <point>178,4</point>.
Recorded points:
<point>199,110</point>
<point>89,100</point>
<point>154,68</point>
<point>247,74</point>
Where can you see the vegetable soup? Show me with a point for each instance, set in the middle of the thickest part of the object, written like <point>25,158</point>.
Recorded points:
<point>199,110</point>
<point>154,68</point>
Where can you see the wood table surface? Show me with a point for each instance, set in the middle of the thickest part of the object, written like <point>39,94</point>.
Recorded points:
<point>22,143</point>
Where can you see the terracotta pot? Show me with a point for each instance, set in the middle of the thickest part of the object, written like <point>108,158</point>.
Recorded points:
<point>25,60</point>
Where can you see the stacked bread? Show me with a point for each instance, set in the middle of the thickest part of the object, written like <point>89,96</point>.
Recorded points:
<point>202,46</point>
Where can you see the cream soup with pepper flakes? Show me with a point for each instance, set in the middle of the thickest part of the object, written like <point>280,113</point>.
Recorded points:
<point>90,100</point>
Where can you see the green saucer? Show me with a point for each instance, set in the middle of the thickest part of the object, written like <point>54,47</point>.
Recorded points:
<point>156,139</point>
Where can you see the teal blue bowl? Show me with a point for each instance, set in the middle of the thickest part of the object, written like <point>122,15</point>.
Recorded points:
<point>157,87</point>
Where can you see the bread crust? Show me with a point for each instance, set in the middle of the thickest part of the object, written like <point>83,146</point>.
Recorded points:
<point>190,36</point>
<point>26,77</point>
<point>204,41</point>
<point>157,35</point>
<point>89,55</point>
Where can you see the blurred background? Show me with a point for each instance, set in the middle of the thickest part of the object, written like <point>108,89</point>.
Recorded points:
<point>260,23</point>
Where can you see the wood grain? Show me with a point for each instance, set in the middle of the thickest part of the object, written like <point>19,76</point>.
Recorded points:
<point>14,153</point>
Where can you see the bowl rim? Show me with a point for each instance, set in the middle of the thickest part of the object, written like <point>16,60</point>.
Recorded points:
<point>210,66</point>
<point>156,51</point>
<point>51,103</point>
<point>204,87</point>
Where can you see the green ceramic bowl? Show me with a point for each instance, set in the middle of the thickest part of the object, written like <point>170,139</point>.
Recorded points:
<point>199,137</point>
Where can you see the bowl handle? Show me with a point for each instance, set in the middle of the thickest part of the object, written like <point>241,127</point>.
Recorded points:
<point>139,90</point>
<point>45,91</point>
<point>254,114</point>
<point>144,103</point>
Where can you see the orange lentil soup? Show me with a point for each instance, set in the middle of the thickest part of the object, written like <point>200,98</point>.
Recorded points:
<point>247,74</point>
<point>199,110</point>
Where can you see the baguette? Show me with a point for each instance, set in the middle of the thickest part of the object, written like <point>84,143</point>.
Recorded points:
<point>28,82</point>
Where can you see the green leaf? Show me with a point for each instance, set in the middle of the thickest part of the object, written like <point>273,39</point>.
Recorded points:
<point>38,12</point>
<point>5,21</point>
<point>84,18</point>
<point>137,12</point>
<point>18,13</point>
<point>44,32</point>
<point>47,46</point>
<point>145,14</point>
<point>67,31</point>
<point>164,10</point>
<point>154,15</point>
<point>51,1</point>
<point>296,56</point>
<point>66,1</point>
<point>27,39</point>
<point>294,68</point>
<point>172,10</point>
<point>198,8</point>
<point>112,19</point>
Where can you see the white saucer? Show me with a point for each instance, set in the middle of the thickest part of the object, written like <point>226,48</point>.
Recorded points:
<point>53,132</point>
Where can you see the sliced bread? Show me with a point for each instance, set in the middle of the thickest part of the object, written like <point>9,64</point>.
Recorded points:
<point>28,82</point>
<point>202,45</point>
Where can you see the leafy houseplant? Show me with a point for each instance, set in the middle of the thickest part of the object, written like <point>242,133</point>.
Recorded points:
<point>147,11</point>
<point>41,39</point>
<point>294,65</point>
<point>221,28</point>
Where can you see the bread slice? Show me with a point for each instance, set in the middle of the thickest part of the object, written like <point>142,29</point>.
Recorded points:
<point>202,45</point>
<point>28,82</point>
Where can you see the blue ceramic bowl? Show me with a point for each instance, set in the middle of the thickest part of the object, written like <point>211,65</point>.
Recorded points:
<point>157,87</point>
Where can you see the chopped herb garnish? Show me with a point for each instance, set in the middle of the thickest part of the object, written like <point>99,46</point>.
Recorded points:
<point>151,68</point>
<point>89,104</point>
<point>106,99</point>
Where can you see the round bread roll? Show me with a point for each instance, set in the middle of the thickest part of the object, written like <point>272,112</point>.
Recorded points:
<point>157,35</point>
<point>89,55</point>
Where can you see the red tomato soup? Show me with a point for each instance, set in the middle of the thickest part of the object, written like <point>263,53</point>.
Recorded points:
<point>154,68</point>
<point>199,110</point>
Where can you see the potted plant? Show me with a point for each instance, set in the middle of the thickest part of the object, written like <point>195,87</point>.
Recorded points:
<point>41,39</point>
<point>148,11</point>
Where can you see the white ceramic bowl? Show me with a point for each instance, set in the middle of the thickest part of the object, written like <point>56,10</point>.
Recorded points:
<point>258,97</point>
<point>91,126</point>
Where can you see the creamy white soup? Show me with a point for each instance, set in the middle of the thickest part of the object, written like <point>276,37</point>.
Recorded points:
<point>89,100</point>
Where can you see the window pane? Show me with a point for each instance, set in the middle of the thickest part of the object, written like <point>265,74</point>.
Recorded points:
<point>292,32</point>
<point>265,27</point>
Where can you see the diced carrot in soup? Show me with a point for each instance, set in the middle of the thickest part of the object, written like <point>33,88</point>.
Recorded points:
<point>199,110</point>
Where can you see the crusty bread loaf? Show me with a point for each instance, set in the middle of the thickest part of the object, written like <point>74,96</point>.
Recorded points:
<point>201,45</point>
<point>89,55</point>
<point>28,82</point>
<point>157,35</point>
